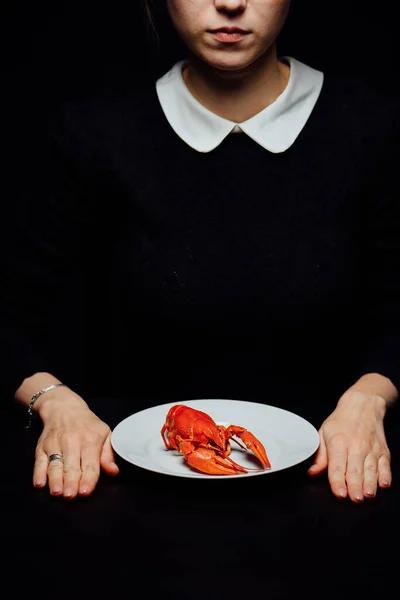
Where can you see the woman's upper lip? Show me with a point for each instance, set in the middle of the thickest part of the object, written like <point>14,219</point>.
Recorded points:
<point>228,30</point>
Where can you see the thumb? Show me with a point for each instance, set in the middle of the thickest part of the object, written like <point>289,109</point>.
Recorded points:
<point>107,458</point>
<point>320,461</point>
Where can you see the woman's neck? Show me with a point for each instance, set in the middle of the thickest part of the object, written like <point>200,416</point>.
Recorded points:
<point>237,95</point>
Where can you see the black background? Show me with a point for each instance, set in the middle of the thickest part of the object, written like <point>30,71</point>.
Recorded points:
<point>55,51</point>
<point>69,48</point>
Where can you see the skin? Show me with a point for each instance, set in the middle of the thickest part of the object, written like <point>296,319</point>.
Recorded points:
<point>70,428</point>
<point>235,81</point>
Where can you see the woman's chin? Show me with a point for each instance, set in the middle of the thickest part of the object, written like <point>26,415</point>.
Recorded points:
<point>229,63</point>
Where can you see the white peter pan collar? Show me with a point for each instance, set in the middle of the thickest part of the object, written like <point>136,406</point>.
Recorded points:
<point>275,128</point>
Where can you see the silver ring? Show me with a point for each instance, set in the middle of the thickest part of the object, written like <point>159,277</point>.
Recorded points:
<point>55,457</point>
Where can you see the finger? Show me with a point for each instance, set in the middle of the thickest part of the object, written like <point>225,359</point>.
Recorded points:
<point>355,476</point>
<point>90,466</point>
<point>320,462</point>
<point>107,459</point>
<point>384,472</point>
<point>337,463</point>
<point>55,473</point>
<point>370,476</point>
<point>72,470</point>
<point>40,468</point>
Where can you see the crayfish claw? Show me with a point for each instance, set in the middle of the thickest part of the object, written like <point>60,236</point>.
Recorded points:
<point>208,461</point>
<point>251,442</point>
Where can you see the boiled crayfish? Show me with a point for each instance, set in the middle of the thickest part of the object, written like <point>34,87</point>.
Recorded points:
<point>204,444</point>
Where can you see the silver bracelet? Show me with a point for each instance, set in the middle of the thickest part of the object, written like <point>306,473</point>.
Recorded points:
<point>36,396</point>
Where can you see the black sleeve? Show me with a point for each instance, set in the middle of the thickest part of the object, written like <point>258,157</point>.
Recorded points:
<point>381,272</point>
<point>44,227</point>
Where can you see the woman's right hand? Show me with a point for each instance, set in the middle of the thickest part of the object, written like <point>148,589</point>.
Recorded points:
<point>72,430</point>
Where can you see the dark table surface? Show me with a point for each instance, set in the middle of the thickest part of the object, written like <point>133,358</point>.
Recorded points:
<point>278,536</point>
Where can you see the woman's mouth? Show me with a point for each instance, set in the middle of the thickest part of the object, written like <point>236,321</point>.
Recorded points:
<point>229,34</point>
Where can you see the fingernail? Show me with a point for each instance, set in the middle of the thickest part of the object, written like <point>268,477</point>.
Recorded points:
<point>38,483</point>
<point>67,493</point>
<point>55,489</point>
<point>370,492</point>
<point>342,493</point>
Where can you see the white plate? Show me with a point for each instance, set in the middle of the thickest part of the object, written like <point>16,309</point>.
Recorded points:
<point>288,438</point>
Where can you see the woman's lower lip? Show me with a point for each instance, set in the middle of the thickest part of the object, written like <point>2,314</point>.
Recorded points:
<point>224,36</point>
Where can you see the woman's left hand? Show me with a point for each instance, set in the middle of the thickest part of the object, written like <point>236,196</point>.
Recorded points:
<point>353,447</point>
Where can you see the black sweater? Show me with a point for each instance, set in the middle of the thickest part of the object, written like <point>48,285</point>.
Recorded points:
<point>137,266</point>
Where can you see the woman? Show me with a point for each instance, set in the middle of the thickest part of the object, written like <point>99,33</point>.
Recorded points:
<point>249,218</point>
